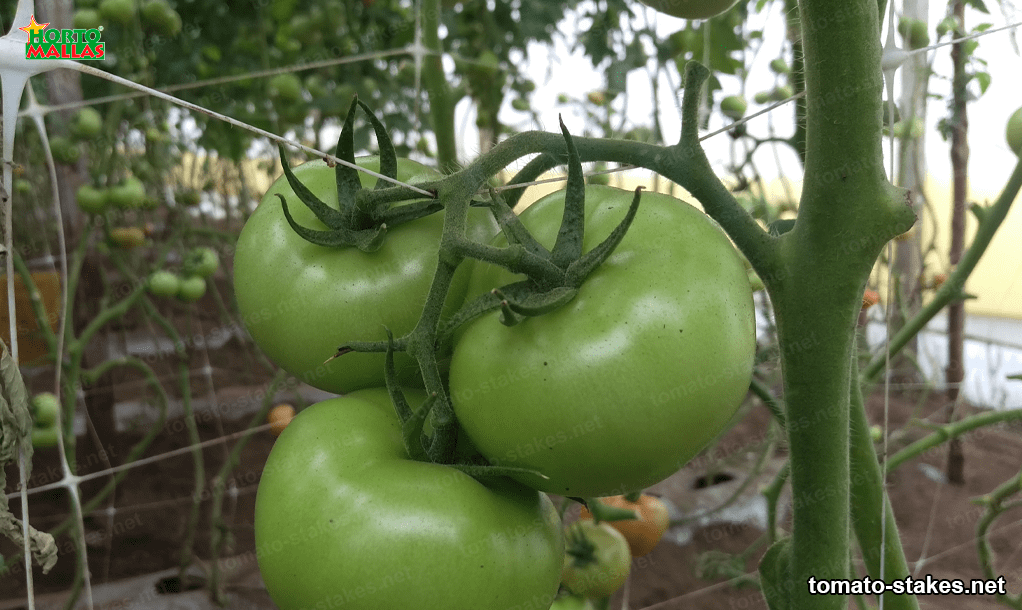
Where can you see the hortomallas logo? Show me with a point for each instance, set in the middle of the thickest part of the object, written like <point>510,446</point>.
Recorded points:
<point>62,44</point>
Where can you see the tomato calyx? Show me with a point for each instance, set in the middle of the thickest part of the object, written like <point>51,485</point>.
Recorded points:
<point>440,447</point>
<point>358,222</point>
<point>553,276</point>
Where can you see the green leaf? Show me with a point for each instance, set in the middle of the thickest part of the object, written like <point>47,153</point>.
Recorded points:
<point>775,575</point>
<point>984,81</point>
<point>978,5</point>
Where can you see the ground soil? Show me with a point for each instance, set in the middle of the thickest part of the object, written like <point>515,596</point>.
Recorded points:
<point>154,505</point>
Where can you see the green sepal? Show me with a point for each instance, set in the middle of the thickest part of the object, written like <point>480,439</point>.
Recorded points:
<point>538,303</point>
<point>348,182</point>
<point>507,316</point>
<point>603,512</point>
<point>388,155</point>
<point>511,226</point>
<point>327,215</point>
<point>578,546</point>
<point>775,575</point>
<point>478,306</point>
<point>568,247</point>
<point>477,471</point>
<point>415,440</point>
<point>366,240</point>
<point>406,213</point>
<point>579,270</point>
<point>404,412</point>
<point>445,433</point>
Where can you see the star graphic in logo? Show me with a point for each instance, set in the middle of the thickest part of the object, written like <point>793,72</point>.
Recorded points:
<point>33,28</point>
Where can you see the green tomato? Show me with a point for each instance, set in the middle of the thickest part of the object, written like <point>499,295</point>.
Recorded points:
<point>87,19</point>
<point>1013,132</point>
<point>733,106</point>
<point>117,11</point>
<point>782,93</point>
<point>86,123</point>
<point>286,87</point>
<point>45,437</point>
<point>161,17</point>
<point>779,66</point>
<point>603,567</point>
<point>44,409</point>
<point>202,262</point>
<point>691,9</point>
<point>762,97</point>
<point>128,194</point>
<point>623,385</point>
<point>344,518</point>
<point>914,32</point>
<point>64,150</point>
<point>23,186</point>
<point>165,284</point>
<point>300,301</point>
<point>191,289</point>
<point>91,200</point>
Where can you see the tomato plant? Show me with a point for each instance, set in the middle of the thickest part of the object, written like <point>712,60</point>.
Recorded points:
<point>341,508</point>
<point>620,387</point>
<point>596,561</point>
<point>300,301</point>
<point>644,532</point>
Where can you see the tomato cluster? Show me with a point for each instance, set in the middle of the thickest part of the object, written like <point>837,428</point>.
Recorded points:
<point>606,394</point>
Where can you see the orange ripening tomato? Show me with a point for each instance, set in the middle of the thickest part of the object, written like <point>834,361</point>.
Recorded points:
<point>279,417</point>
<point>643,533</point>
<point>870,298</point>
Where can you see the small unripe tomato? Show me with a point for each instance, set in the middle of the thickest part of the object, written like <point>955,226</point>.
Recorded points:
<point>733,106</point>
<point>127,237</point>
<point>191,289</point>
<point>596,561</point>
<point>91,200</point>
<point>164,284</point>
<point>279,417</point>
<point>779,66</point>
<point>870,298</point>
<point>86,123</point>
<point>44,409</point>
<point>1013,132</point>
<point>644,532</point>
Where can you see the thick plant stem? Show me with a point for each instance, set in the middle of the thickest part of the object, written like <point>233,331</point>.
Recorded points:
<point>848,211</point>
<point>871,513</point>
<point>441,96</point>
